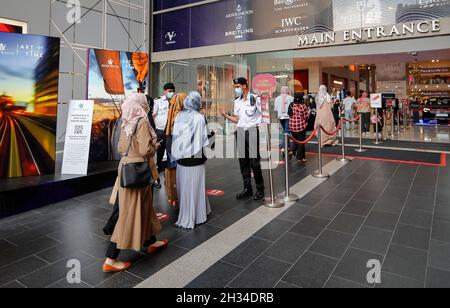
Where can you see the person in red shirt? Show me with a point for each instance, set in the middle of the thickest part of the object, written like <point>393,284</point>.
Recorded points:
<point>298,125</point>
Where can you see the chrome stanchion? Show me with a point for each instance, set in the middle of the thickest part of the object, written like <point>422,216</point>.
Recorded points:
<point>272,201</point>
<point>398,122</point>
<point>392,133</point>
<point>319,172</point>
<point>343,159</point>
<point>288,198</point>
<point>377,129</point>
<point>360,150</point>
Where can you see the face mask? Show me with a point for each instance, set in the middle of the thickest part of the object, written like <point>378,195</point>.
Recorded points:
<point>170,95</point>
<point>238,92</point>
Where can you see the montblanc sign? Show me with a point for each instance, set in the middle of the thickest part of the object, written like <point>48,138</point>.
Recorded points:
<point>368,34</point>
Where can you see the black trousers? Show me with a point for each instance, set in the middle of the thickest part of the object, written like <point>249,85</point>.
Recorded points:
<point>250,158</point>
<point>365,120</point>
<point>113,253</point>
<point>300,149</point>
<point>162,149</point>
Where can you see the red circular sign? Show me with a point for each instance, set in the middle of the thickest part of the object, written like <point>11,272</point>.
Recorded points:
<point>215,192</point>
<point>265,83</point>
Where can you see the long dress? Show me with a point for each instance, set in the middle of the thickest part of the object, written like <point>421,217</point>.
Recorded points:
<point>137,219</point>
<point>325,118</point>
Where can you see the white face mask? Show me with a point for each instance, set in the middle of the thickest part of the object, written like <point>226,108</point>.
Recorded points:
<point>169,95</point>
<point>238,92</point>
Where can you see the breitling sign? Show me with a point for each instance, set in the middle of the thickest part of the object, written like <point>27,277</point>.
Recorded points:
<point>366,35</point>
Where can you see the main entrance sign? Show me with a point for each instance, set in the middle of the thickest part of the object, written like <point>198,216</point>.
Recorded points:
<point>365,35</point>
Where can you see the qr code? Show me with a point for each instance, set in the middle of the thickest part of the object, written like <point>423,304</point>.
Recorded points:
<point>78,130</point>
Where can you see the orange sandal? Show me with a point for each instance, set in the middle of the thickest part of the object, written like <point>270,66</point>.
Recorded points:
<point>111,269</point>
<point>153,249</point>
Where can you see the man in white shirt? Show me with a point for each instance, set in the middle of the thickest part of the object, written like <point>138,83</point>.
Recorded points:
<point>161,114</point>
<point>282,104</point>
<point>349,104</point>
<point>248,117</point>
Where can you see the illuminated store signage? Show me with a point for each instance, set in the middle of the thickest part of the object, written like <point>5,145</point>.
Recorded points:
<point>365,35</point>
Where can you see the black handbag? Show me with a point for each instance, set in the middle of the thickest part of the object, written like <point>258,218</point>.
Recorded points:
<point>135,175</point>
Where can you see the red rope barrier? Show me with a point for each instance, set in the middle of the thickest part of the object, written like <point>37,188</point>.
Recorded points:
<point>337,129</point>
<point>307,140</point>
<point>354,120</point>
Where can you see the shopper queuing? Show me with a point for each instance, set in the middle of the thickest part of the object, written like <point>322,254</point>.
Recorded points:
<point>282,104</point>
<point>160,114</point>
<point>349,106</point>
<point>363,108</point>
<point>325,117</point>
<point>137,223</point>
<point>298,125</point>
<point>190,137</point>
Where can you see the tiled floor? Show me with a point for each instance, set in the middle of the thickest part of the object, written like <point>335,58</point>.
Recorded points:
<point>397,214</point>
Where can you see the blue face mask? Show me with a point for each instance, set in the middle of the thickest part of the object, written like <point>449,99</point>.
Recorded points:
<point>238,92</point>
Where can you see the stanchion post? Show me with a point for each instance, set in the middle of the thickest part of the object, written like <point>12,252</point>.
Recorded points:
<point>377,129</point>
<point>392,123</point>
<point>360,149</point>
<point>319,172</point>
<point>343,159</point>
<point>272,201</point>
<point>398,122</point>
<point>288,198</point>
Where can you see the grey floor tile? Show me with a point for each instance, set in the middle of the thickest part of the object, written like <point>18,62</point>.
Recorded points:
<point>265,272</point>
<point>339,283</point>
<point>347,223</point>
<point>442,213</point>
<point>295,213</point>
<point>326,210</point>
<point>228,219</point>
<point>392,281</point>
<point>368,195</point>
<point>332,244</point>
<point>417,218</point>
<point>353,266</point>
<point>247,252</point>
<point>441,231</point>
<point>382,220</point>
<point>412,237</point>
<point>374,240</point>
<point>53,273</point>
<point>274,230</point>
<point>5,245</point>
<point>13,285</point>
<point>341,197</point>
<point>217,276</point>
<point>311,271</point>
<point>21,268</point>
<point>22,251</point>
<point>439,255</point>
<point>420,203</point>
<point>285,285</point>
<point>358,207</point>
<point>310,226</point>
<point>63,284</point>
<point>390,205</point>
<point>289,248</point>
<point>36,233</point>
<point>311,199</point>
<point>201,235</point>
<point>437,278</point>
<point>154,263</point>
<point>57,253</point>
<point>407,262</point>
<point>121,281</point>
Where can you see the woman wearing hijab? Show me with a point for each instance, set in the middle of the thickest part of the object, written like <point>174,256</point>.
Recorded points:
<point>325,117</point>
<point>190,137</point>
<point>176,106</point>
<point>137,223</point>
<point>282,104</point>
<point>363,108</point>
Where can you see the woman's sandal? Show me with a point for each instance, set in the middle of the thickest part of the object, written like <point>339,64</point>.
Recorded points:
<point>153,249</point>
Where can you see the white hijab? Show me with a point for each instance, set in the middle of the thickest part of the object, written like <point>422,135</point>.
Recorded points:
<point>322,96</point>
<point>190,134</point>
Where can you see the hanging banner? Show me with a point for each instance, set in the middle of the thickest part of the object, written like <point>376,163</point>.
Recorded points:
<point>376,100</point>
<point>78,138</point>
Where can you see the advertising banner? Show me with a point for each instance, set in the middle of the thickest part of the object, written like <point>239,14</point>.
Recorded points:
<point>232,21</point>
<point>78,138</point>
<point>376,100</point>
<point>29,72</point>
<point>112,75</point>
<point>13,26</point>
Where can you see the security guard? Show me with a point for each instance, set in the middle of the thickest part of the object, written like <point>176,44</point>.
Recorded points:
<point>248,117</point>
<point>160,114</point>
